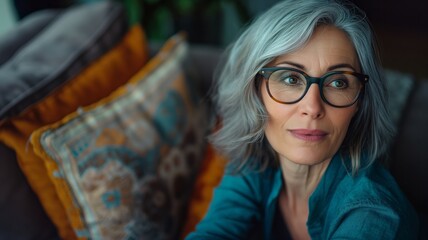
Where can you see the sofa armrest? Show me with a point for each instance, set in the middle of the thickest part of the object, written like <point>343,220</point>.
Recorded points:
<point>409,154</point>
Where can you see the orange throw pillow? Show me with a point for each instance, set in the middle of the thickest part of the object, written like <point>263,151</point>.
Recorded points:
<point>97,81</point>
<point>209,177</point>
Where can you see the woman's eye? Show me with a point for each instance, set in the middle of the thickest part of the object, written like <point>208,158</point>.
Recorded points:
<point>291,80</point>
<point>338,84</point>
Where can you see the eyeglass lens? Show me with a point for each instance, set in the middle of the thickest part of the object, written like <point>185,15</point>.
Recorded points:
<point>339,89</point>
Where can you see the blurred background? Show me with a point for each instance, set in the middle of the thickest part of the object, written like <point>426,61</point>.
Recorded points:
<point>401,26</point>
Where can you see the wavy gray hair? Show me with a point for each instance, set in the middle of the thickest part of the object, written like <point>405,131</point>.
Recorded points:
<point>284,28</point>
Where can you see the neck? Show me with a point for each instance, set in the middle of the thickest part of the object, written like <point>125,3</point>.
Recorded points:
<point>299,183</point>
<point>301,180</point>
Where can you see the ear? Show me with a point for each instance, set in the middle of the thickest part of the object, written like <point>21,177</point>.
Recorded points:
<point>258,81</point>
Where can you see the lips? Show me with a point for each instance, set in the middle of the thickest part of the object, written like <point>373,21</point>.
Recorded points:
<point>309,134</point>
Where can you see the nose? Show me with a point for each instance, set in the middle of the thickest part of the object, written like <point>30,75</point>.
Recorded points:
<point>312,104</point>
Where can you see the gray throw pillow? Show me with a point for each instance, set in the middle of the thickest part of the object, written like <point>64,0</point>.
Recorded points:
<point>58,53</point>
<point>14,39</point>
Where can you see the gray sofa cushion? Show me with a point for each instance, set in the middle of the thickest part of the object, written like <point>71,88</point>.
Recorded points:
<point>399,86</point>
<point>58,53</point>
<point>409,155</point>
<point>13,40</point>
<point>22,216</point>
<point>204,60</point>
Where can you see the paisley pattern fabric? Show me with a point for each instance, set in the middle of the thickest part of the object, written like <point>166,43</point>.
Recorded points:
<point>128,161</point>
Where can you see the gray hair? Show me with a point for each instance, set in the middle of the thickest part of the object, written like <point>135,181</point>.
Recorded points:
<point>284,28</point>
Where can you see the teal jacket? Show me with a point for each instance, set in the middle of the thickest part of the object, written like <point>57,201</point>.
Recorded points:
<point>368,205</point>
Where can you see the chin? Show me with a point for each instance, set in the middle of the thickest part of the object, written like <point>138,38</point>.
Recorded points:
<point>309,159</point>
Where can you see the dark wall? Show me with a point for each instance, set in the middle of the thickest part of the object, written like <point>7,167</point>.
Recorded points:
<point>401,26</point>
<point>402,31</point>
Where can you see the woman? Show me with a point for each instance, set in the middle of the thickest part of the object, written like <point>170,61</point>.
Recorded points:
<point>302,101</point>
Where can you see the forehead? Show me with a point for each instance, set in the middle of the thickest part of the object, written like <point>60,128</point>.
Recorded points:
<point>327,46</point>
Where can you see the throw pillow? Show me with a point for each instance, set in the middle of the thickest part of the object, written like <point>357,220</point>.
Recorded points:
<point>22,33</point>
<point>208,178</point>
<point>69,44</point>
<point>123,166</point>
<point>93,83</point>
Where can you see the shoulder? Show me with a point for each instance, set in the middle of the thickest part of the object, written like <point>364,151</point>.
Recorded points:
<point>249,182</point>
<point>372,185</point>
<point>236,207</point>
<point>372,199</point>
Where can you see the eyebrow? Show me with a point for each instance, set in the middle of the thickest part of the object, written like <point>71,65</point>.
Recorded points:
<point>341,65</point>
<point>300,66</point>
<point>331,68</point>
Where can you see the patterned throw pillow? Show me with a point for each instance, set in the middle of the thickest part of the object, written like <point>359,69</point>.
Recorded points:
<point>123,166</point>
<point>93,83</point>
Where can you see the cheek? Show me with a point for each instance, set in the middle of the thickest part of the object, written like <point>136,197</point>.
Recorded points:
<point>276,112</point>
<point>342,120</point>
<point>272,125</point>
<point>274,133</point>
<point>279,117</point>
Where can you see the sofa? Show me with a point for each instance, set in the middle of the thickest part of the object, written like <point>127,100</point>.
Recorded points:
<point>103,134</point>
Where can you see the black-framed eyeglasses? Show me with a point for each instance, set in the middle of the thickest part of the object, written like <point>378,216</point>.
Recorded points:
<point>338,88</point>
